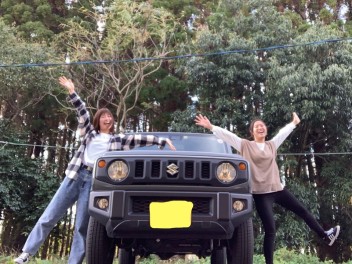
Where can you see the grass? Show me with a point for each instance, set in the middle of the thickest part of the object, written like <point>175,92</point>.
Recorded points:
<point>153,259</point>
<point>282,256</point>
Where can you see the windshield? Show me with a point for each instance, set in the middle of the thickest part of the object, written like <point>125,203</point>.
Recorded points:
<point>187,142</point>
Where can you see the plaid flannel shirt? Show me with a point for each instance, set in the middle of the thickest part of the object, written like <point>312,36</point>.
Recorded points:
<point>117,142</point>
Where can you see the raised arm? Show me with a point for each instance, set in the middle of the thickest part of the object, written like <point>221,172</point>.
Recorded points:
<point>286,130</point>
<point>295,119</point>
<point>225,135</point>
<point>203,121</point>
<point>132,141</point>
<point>170,145</point>
<point>83,117</point>
<point>68,84</point>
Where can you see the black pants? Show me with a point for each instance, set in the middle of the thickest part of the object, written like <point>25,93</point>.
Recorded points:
<point>264,205</point>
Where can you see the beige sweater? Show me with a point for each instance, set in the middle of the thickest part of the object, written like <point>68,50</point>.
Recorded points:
<point>265,177</point>
<point>264,170</point>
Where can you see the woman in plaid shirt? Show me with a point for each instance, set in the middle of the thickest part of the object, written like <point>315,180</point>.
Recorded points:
<point>98,138</point>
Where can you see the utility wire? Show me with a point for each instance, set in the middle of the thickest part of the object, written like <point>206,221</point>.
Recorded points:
<point>33,145</point>
<point>282,154</point>
<point>315,154</point>
<point>219,53</point>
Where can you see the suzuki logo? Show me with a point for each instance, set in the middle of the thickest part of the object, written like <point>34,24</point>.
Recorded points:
<point>172,169</point>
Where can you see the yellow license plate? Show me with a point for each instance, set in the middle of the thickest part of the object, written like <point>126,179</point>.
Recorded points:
<point>172,214</point>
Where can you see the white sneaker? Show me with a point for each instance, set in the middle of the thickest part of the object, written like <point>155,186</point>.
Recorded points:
<point>23,258</point>
<point>332,234</point>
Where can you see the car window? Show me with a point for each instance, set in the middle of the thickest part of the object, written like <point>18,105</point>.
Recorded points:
<point>194,143</point>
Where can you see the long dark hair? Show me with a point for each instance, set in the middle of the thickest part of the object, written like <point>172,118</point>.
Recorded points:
<point>97,116</point>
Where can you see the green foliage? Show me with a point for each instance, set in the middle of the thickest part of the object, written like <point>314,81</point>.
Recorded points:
<point>326,16</point>
<point>22,87</point>
<point>284,256</point>
<point>313,11</point>
<point>185,9</point>
<point>26,185</point>
<point>183,121</point>
<point>161,95</point>
<point>34,20</point>
<point>133,30</point>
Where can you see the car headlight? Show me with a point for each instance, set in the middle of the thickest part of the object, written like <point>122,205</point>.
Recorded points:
<point>226,173</point>
<point>118,170</point>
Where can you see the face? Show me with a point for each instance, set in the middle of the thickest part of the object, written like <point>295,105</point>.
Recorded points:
<point>105,122</point>
<point>259,131</point>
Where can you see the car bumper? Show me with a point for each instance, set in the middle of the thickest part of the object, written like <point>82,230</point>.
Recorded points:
<point>127,214</point>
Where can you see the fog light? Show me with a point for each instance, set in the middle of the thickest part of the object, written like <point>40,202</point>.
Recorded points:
<point>238,205</point>
<point>103,203</point>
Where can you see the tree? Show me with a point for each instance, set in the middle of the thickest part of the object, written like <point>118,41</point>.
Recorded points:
<point>134,33</point>
<point>35,20</point>
<point>231,87</point>
<point>26,186</point>
<point>316,82</point>
<point>29,121</point>
<point>161,95</point>
<point>323,10</point>
<point>16,83</point>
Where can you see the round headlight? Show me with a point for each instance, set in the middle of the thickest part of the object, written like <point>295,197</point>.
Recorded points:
<point>118,170</point>
<point>226,173</point>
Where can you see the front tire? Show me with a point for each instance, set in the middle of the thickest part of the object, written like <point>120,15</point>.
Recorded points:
<point>241,246</point>
<point>100,249</point>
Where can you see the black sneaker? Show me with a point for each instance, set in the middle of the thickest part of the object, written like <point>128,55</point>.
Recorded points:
<point>332,234</point>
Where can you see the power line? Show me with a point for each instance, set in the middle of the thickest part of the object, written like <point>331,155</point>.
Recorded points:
<point>33,145</point>
<point>279,154</point>
<point>314,154</point>
<point>219,53</point>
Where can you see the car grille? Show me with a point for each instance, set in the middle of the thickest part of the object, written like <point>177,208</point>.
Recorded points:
<point>172,169</point>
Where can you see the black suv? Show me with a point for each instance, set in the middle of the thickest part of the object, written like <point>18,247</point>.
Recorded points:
<point>195,200</point>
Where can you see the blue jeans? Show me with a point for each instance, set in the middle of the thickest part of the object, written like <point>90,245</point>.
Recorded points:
<point>68,193</point>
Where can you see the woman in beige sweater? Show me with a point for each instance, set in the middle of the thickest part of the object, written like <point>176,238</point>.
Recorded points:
<point>265,178</point>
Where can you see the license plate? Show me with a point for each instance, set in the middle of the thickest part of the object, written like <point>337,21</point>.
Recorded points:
<point>172,214</point>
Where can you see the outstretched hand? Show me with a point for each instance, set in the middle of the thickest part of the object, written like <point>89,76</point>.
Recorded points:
<point>295,118</point>
<point>203,121</point>
<point>68,84</point>
<point>169,143</point>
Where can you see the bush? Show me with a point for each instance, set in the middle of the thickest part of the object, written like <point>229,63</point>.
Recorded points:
<point>285,256</point>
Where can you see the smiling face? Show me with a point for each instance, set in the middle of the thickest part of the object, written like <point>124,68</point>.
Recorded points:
<point>258,130</point>
<point>104,121</point>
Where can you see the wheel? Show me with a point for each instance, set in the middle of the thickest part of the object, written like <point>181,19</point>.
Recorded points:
<point>218,256</point>
<point>100,249</point>
<point>126,256</point>
<point>241,246</point>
